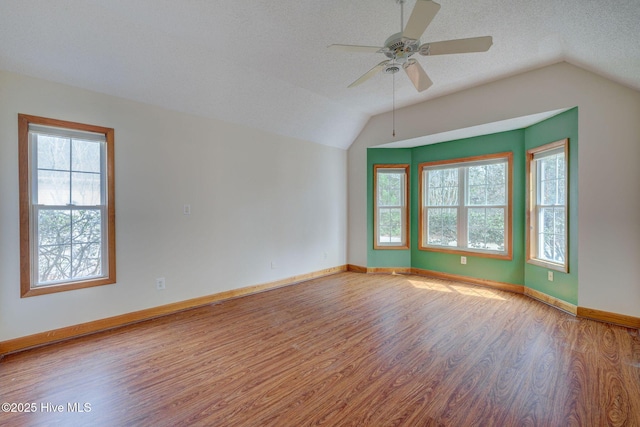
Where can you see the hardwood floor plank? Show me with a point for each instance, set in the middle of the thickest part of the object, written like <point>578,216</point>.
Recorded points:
<point>349,350</point>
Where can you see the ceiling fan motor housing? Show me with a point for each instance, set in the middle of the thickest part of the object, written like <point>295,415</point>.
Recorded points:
<point>399,48</point>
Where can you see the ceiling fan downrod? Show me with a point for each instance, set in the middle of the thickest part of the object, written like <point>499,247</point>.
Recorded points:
<point>393,92</point>
<point>401,3</point>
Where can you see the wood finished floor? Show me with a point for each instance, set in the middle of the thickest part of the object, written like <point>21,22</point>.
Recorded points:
<point>350,349</point>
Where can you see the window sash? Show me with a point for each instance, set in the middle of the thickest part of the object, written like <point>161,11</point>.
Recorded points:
<point>37,245</point>
<point>71,135</point>
<point>388,238</point>
<point>462,227</point>
<point>541,232</point>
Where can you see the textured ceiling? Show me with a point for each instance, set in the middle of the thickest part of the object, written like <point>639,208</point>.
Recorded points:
<point>264,63</point>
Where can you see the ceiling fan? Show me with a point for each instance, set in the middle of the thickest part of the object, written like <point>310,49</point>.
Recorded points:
<point>401,46</point>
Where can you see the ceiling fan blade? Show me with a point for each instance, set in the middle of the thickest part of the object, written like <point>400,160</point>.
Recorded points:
<point>366,76</point>
<point>474,44</point>
<point>423,13</point>
<point>353,48</point>
<point>417,75</point>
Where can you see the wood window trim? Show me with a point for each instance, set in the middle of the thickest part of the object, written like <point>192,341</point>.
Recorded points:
<point>406,207</point>
<point>508,255</point>
<point>24,177</point>
<point>530,203</point>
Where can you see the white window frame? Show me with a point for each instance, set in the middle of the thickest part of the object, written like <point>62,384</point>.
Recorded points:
<point>534,205</point>
<point>462,165</point>
<point>29,128</point>
<point>404,211</point>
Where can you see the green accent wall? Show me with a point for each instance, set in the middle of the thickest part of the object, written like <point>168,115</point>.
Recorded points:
<point>564,285</point>
<point>386,257</point>
<point>508,271</point>
<point>515,271</point>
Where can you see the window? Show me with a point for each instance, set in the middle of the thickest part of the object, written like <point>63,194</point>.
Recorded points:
<point>465,205</point>
<point>547,168</point>
<point>67,210</point>
<point>391,214</point>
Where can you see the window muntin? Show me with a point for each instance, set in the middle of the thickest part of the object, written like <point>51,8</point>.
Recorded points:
<point>547,216</point>
<point>391,214</point>
<point>465,205</point>
<point>67,206</point>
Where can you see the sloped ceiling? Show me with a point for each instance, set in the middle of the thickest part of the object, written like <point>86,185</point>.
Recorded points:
<point>264,63</point>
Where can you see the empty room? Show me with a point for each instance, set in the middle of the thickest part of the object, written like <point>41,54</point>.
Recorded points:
<point>289,213</point>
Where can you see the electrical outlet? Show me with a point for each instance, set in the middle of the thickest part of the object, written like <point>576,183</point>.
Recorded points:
<point>274,265</point>
<point>161,285</point>
<point>324,255</point>
<point>550,276</point>
<point>463,260</point>
<point>186,209</point>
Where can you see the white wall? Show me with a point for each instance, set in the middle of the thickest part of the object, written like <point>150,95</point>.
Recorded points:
<point>608,167</point>
<point>255,198</point>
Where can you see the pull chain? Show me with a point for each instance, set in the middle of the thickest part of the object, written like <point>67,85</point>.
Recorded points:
<point>393,97</point>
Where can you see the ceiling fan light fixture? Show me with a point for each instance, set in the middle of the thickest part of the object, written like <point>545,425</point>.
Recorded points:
<point>424,49</point>
<point>392,69</point>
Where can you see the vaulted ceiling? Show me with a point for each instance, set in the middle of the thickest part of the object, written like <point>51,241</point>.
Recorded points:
<point>265,63</point>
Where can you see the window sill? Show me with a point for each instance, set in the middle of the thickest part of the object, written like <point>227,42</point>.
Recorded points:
<point>467,252</point>
<point>389,247</point>
<point>43,290</point>
<point>548,265</point>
